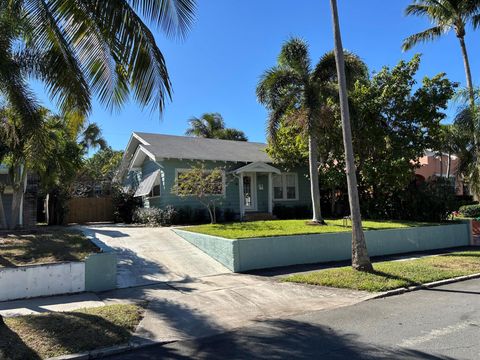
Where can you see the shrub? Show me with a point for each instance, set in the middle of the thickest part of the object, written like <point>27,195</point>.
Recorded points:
<point>148,216</point>
<point>284,212</point>
<point>472,211</point>
<point>168,215</point>
<point>124,204</point>
<point>154,216</point>
<point>228,215</point>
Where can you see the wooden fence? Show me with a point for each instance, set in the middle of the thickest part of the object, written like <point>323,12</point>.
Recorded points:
<point>83,210</point>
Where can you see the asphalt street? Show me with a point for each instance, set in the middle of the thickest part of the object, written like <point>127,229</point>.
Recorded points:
<point>439,323</point>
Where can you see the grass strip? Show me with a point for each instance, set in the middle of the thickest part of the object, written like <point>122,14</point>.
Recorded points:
<point>34,337</point>
<point>389,275</point>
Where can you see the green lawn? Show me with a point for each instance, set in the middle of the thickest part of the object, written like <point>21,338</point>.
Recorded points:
<point>48,245</point>
<point>390,275</point>
<point>42,336</point>
<point>242,230</point>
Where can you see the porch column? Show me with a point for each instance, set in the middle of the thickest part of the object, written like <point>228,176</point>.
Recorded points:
<point>240,197</point>
<point>270,193</point>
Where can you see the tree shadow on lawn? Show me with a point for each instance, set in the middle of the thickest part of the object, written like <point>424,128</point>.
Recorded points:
<point>58,333</point>
<point>13,348</point>
<point>22,248</point>
<point>279,339</point>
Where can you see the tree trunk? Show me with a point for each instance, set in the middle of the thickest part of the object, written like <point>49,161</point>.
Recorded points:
<point>3,219</point>
<point>314,183</point>
<point>18,187</point>
<point>360,258</point>
<point>449,164</point>
<point>46,207</point>
<point>441,164</point>
<point>468,73</point>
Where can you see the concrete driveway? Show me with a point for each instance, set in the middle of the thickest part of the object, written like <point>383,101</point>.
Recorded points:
<point>190,295</point>
<point>151,255</point>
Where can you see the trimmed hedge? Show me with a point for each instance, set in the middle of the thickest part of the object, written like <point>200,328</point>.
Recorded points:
<point>472,211</point>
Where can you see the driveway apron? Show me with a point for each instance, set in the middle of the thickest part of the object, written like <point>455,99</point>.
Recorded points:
<point>151,255</point>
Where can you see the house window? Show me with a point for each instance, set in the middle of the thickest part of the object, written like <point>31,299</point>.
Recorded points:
<point>156,187</point>
<point>218,188</point>
<point>277,187</point>
<point>285,186</point>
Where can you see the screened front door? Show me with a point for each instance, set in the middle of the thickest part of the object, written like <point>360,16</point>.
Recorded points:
<point>249,192</point>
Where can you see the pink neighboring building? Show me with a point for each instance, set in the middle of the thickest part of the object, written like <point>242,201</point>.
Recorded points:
<point>433,164</point>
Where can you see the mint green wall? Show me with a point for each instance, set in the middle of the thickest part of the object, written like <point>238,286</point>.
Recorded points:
<point>101,271</point>
<point>260,253</point>
<point>167,197</point>
<point>231,198</point>
<point>303,189</point>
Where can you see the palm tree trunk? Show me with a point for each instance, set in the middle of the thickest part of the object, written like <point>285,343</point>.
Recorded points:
<point>468,73</point>
<point>314,183</point>
<point>441,164</point>
<point>449,164</point>
<point>360,258</point>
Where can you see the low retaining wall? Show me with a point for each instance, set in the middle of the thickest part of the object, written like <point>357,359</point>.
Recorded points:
<point>267,252</point>
<point>97,273</point>
<point>41,280</point>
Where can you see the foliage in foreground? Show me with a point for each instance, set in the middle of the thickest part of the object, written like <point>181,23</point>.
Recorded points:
<point>242,230</point>
<point>42,336</point>
<point>390,275</point>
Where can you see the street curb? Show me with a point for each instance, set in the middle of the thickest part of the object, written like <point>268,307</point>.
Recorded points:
<point>425,286</point>
<point>107,351</point>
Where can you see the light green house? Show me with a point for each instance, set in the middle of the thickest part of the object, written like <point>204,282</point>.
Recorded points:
<point>252,184</point>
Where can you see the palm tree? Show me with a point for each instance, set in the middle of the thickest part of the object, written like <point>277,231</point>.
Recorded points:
<point>446,15</point>
<point>205,126</point>
<point>81,48</point>
<point>360,258</point>
<point>212,126</point>
<point>91,138</point>
<point>295,91</point>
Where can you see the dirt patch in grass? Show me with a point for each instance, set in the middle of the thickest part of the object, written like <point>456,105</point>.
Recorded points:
<point>42,336</point>
<point>389,275</point>
<point>19,248</point>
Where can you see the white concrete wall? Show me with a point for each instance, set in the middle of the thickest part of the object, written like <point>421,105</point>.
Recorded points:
<point>41,280</point>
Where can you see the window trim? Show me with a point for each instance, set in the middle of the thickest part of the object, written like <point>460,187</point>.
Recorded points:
<point>224,180</point>
<point>283,175</point>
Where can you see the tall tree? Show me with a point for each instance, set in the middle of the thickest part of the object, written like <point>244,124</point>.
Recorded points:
<point>446,15</point>
<point>81,48</point>
<point>360,258</point>
<point>296,93</point>
<point>212,126</point>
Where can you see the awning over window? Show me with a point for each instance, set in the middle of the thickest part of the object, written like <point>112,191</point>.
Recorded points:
<point>146,184</point>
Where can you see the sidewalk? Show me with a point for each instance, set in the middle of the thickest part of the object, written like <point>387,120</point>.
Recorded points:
<point>193,308</point>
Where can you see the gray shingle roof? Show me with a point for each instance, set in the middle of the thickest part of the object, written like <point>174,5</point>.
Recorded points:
<point>184,147</point>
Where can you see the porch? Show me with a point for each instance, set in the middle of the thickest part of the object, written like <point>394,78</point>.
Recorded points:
<point>256,190</point>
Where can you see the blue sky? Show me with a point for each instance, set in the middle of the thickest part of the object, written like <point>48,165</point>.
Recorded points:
<point>217,67</point>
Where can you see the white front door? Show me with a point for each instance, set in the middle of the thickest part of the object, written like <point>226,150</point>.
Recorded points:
<point>250,191</point>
